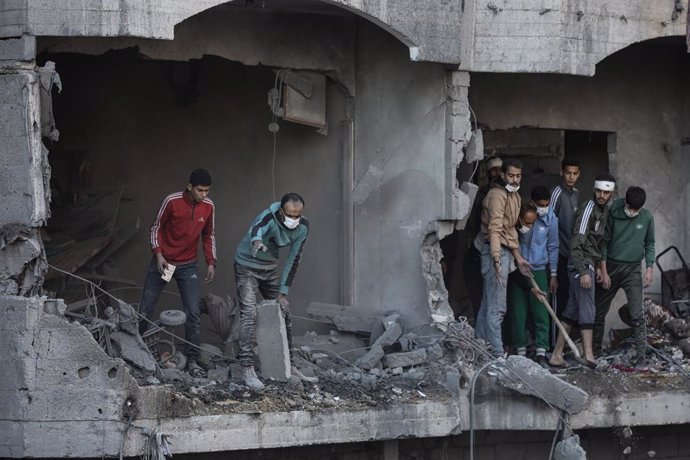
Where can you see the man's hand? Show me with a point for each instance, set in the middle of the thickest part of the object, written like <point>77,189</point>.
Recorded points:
<point>605,280</point>
<point>524,266</point>
<point>553,285</point>
<point>538,293</point>
<point>586,281</point>
<point>283,301</point>
<point>161,263</point>
<point>257,246</point>
<point>497,267</point>
<point>648,277</point>
<point>210,274</point>
<point>600,278</point>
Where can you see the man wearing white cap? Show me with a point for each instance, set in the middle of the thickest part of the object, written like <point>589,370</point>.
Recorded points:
<point>585,253</point>
<point>472,261</point>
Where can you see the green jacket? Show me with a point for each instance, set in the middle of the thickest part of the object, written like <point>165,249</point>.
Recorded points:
<point>629,240</point>
<point>268,227</point>
<point>588,235</point>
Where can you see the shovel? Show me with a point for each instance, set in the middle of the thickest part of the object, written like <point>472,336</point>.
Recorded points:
<point>568,340</point>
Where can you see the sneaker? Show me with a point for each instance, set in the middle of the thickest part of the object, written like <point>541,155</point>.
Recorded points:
<point>251,379</point>
<point>542,361</point>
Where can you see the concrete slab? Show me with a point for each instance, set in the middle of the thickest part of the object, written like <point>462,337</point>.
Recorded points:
<point>405,359</point>
<point>133,350</point>
<point>527,377</point>
<point>271,340</point>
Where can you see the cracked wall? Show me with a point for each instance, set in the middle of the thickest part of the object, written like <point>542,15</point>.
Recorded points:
<point>412,123</point>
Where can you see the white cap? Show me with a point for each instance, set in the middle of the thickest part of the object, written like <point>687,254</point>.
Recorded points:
<point>494,162</point>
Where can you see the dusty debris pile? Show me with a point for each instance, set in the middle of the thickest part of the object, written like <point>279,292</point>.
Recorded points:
<point>667,337</point>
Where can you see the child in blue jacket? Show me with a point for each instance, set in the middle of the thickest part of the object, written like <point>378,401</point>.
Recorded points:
<point>538,237</point>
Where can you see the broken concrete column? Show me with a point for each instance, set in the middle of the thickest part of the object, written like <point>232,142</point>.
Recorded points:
<point>458,136</point>
<point>24,171</point>
<point>527,377</point>
<point>271,340</point>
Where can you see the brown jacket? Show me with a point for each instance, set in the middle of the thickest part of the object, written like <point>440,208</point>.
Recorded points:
<point>500,213</point>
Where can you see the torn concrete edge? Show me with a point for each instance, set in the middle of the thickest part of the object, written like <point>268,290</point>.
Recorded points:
<point>23,263</point>
<point>430,251</point>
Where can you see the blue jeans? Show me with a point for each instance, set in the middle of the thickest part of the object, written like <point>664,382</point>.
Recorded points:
<point>494,304</point>
<point>187,280</point>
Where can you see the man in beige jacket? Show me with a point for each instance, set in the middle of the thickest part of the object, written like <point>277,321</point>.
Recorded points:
<point>500,212</point>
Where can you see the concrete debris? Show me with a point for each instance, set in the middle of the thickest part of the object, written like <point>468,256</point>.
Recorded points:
<point>209,355</point>
<point>527,377</point>
<point>219,374</point>
<point>349,346</point>
<point>133,350</point>
<point>48,79</point>
<point>627,432</point>
<point>667,336</point>
<point>272,344</point>
<point>345,318</point>
<point>405,359</point>
<point>350,323</point>
<point>569,449</point>
<point>372,358</point>
<point>431,255</point>
<point>475,148</point>
<point>392,326</point>
<point>22,262</point>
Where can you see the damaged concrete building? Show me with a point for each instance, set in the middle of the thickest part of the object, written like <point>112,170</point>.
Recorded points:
<point>378,113</point>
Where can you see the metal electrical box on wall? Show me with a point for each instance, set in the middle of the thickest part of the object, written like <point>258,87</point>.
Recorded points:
<point>311,110</point>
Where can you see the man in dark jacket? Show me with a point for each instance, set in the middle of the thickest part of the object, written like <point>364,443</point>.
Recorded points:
<point>182,218</point>
<point>564,201</point>
<point>629,239</point>
<point>256,271</point>
<point>585,254</point>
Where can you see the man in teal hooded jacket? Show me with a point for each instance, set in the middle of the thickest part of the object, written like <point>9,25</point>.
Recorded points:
<point>628,240</point>
<point>256,270</point>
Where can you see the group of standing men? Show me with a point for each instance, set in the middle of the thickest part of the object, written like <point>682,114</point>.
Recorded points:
<point>185,218</point>
<point>580,252</point>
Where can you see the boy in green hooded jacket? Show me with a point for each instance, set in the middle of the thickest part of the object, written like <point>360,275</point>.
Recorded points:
<point>628,240</point>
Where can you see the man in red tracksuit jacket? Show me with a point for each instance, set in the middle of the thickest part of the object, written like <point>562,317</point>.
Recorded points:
<point>182,218</point>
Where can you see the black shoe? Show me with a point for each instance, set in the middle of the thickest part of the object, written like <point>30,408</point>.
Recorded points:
<point>542,361</point>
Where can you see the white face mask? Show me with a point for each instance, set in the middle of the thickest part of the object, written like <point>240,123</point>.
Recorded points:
<point>512,188</point>
<point>630,213</point>
<point>541,212</point>
<point>291,223</point>
<point>524,229</point>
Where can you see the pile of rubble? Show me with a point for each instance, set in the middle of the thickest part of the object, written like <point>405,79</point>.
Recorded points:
<point>668,337</point>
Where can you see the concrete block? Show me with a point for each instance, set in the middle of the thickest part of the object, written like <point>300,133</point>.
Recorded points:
<point>271,340</point>
<point>527,377</point>
<point>392,331</point>
<point>348,323</point>
<point>18,49</point>
<point>406,359</point>
<point>133,350</point>
<point>372,358</point>
<point>220,374</point>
